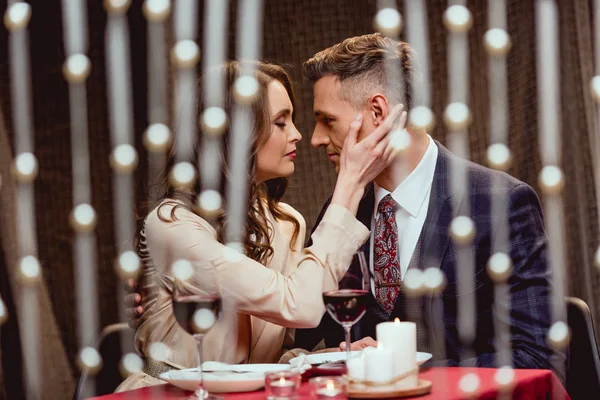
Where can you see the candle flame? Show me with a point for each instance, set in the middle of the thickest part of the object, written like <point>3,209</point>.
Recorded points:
<point>397,320</point>
<point>329,385</point>
<point>282,380</point>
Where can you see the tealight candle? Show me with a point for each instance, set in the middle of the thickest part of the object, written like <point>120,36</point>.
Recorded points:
<point>401,339</point>
<point>328,388</point>
<point>282,385</point>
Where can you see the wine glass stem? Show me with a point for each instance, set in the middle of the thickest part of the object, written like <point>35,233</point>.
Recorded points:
<point>347,329</point>
<point>200,391</point>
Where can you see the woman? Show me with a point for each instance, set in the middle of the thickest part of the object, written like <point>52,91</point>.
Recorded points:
<point>278,284</point>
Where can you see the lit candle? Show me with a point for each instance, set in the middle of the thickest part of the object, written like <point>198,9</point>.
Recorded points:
<point>328,388</point>
<point>282,388</point>
<point>282,385</point>
<point>400,339</point>
<point>379,365</point>
<point>329,391</point>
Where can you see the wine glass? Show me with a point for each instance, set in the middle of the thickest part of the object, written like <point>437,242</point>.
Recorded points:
<point>197,311</point>
<point>348,305</point>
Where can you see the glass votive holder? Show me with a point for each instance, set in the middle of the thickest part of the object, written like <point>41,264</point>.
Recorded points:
<point>282,385</point>
<point>328,387</point>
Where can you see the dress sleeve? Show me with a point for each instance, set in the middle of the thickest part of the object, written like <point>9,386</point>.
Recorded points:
<point>294,301</point>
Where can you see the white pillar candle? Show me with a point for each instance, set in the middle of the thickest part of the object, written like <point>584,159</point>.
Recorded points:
<point>379,365</point>
<point>356,366</point>
<point>400,338</point>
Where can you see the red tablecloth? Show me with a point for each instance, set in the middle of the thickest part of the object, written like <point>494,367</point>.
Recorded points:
<point>530,384</point>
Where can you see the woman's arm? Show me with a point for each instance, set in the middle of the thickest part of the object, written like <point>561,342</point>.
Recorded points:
<point>294,301</point>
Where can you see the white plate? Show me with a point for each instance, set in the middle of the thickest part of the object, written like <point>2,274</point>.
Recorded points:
<point>321,358</point>
<point>249,377</point>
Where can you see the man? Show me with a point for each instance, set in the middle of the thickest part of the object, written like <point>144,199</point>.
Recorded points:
<point>350,77</point>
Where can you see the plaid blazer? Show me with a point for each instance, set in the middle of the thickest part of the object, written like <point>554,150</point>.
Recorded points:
<point>529,285</point>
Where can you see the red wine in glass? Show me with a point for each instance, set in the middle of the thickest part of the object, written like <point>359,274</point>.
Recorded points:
<point>346,306</point>
<point>196,314</point>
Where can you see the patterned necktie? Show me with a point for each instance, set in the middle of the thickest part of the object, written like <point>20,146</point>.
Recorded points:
<point>385,257</point>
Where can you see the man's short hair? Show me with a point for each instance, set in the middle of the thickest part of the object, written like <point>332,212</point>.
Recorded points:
<point>360,63</point>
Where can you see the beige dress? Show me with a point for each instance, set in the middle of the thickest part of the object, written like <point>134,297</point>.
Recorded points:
<point>261,304</point>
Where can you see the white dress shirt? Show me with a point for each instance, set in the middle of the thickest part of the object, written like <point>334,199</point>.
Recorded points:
<point>412,195</point>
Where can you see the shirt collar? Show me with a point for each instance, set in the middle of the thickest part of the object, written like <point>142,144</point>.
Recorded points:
<point>412,191</point>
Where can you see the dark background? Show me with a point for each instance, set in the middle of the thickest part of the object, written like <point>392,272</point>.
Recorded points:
<point>293,31</point>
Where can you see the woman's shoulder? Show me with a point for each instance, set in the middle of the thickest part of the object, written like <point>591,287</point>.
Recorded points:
<point>293,212</point>
<point>170,212</point>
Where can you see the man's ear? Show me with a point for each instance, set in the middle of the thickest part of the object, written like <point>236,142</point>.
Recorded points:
<point>378,108</point>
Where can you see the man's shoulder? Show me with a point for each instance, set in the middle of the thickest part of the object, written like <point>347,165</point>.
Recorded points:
<point>487,181</point>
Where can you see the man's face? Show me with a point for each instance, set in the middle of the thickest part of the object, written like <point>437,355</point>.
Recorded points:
<point>334,115</point>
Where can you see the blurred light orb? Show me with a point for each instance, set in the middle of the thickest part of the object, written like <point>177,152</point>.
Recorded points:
<point>214,120</point>
<point>30,269</point>
<point>457,116</point>
<point>597,258</point>
<point>421,117</point>
<point>559,335</point>
<point>182,270</point>
<point>157,138</point>
<point>186,53</point>
<point>462,230</point>
<point>551,180</point>
<point>210,201</point>
<point>413,282</point>
<point>89,359</point>
<point>203,320</point>
<point>25,167</point>
<point>183,175</point>
<point>505,377</point>
<point>499,156</point>
<point>233,252</point>
<point>245,88</point>
<point>124,158</point>
<point>388,21</point>
<point>116,7</point>
<point>128,265</point>
<point>469,384</point>
<point>497,42</point>
<point>3,312</point>
<point>17,16</point>
<point>400,139</point>
<point>83,218</point>
<point>499,267</point>
<point>130,364</point>
<point>76,68</point>
<point>595,86</point>
<point>156,10</point>
<point>458,19</point>
<point>434,280</point>
<point>159,351</point>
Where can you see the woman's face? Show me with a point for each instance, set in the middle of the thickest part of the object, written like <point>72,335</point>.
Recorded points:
<point>275,158</point>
